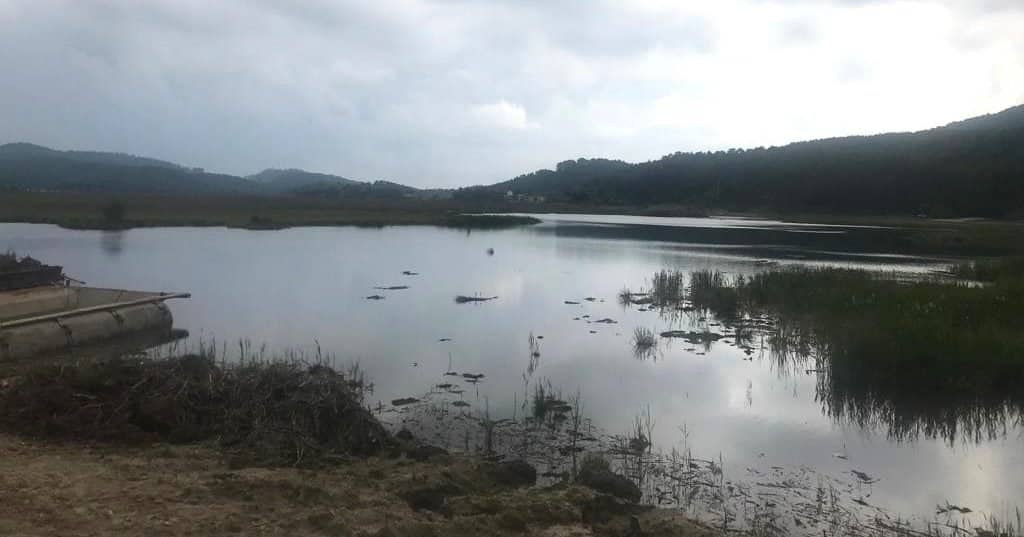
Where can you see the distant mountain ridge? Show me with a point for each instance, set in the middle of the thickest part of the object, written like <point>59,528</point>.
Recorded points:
<point>26,166</point>
<point>973,167</point>
<point>22,150</point>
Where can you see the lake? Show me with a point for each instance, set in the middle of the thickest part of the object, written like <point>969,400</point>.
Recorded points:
<point>303,289</point>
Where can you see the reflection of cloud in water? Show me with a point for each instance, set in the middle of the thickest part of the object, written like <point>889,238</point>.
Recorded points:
<point>288,288</point>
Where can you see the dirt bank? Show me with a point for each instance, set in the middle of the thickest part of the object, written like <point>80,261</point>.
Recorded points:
<point>74,489</point>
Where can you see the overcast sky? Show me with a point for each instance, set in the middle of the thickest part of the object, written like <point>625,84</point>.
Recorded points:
<point>452,92</point>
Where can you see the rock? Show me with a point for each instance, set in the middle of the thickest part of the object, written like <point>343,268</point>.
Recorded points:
<point>514,473</point>
<point>404,435</point>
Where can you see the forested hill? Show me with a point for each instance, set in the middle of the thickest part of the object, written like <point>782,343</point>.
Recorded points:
<point>31,167</point>
<point>25,166</point>
<point>968,168</point>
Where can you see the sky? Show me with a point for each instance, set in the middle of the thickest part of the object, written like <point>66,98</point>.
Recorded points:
<point>443,93</point>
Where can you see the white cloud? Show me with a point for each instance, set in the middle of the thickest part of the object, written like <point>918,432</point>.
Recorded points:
<point>409,90</point>
<point>501,114</point>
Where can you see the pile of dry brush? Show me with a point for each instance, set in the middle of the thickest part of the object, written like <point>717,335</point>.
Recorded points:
<point>270,412</point>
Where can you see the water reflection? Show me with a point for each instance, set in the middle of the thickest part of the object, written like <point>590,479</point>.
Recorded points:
<point>112,242</point>
<point>902,403</point>
<point>293,288</point>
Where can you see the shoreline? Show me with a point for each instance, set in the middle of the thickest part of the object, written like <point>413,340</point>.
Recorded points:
<point>960,237</point>
<point>79,489</point>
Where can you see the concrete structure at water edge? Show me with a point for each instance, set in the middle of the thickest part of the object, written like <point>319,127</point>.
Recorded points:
<point>49,318</point>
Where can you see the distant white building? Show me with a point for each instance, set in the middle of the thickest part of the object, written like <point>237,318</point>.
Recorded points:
<point>512,196</point>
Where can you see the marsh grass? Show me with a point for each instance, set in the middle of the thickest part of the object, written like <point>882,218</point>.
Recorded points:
<point>93,211</point>
<point>711,290</point>
<point>667,287</point>
<point>990,270</point>
<point>923,356</point>
<point>643,338</point>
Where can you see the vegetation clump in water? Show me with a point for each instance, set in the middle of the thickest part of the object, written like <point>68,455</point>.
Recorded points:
<point>892,350</point>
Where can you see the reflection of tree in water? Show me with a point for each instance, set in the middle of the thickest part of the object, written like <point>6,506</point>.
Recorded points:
<point>112,242</point>
<point>951,398</point>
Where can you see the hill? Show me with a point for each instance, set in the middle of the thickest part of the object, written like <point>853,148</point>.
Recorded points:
<point>30,167</point>
<point>288,180</point>
<point>973,167</point>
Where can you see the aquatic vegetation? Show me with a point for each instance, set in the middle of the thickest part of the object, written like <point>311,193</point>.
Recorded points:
<point>548,404</point>
<point>643,338</point>
<point>990,270</point>
<point>667,287</point>
<point>710,290</point>
<point>932,357</point>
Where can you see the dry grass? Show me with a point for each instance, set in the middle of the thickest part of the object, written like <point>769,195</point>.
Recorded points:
<point>77,491</point>
<point>272,412</point>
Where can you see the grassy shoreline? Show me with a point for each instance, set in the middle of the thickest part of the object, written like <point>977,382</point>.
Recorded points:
<point>188,445</point>
<point>91,211</point>
<point>964,237</point>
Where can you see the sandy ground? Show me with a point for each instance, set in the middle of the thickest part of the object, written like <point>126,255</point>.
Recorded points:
<point>76,490</point>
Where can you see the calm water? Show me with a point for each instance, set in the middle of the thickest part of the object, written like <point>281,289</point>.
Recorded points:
<point>290,289</point>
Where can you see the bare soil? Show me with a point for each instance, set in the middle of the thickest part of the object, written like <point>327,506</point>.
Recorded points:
<point>87,490</point>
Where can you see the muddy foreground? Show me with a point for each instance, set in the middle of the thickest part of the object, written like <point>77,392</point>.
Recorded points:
<point>71,489</point>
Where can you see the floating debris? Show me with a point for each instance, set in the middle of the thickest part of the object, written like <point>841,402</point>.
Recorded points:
<point>445,386</point>
<point>392,288</point>
<point>607,321</point>
<point>571,302</point>
<point>943,509</point>
<point>490,251</point>
<point>404,401</point>
<point>451,374</point>
<point>462,299</point>
<point>693,337</point>
<point>442,340</point>
<point>410,273</point>
<point>374,297</point>
<point>590,299</point>
<point>593,331</point>
<point>473,376</point>
<point>460,404</point>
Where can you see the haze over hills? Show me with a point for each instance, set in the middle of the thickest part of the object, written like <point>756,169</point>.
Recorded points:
<point>973,167</point>
<point>25,166</point>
